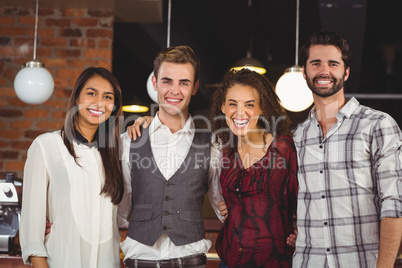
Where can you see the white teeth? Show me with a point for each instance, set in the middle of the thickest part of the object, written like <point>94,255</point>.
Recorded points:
<point>240,122</point>
<point>323,82</point>
<point>173,100</point>
<point>95,112</point>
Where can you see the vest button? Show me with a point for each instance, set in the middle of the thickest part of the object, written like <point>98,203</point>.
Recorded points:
<point>168,183</point>
<point>167,198</point>
<point>166,213</point>
<point>164,227</point>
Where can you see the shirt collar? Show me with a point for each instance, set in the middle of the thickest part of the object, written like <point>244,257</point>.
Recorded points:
<point>347,110</point>
<point>82,140</point>
<point>156,124</point>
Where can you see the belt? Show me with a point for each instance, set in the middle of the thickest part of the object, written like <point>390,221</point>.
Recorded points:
<point>199,259</point>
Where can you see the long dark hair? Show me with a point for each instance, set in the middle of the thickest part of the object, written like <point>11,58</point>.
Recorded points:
<point>107,135</point>
<point>273,119</point>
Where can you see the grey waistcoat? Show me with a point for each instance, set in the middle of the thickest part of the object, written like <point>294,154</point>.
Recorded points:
<point>173,207</point>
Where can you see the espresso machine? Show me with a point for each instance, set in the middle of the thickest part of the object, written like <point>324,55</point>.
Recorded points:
<point>10,212</point>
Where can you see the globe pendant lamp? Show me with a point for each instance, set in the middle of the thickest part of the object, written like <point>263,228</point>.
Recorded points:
<point>291,88</point>
<point>33,84</point>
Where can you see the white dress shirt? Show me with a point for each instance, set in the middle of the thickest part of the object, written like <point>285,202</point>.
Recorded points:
<point>84,232</point>
<point>169,151</point>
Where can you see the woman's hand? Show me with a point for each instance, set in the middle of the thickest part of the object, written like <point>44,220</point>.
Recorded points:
<point>291,240</point>
<point>134,130</point>
<point>223,209</point>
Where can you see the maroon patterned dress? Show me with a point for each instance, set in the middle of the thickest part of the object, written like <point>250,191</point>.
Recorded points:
<point>261,202</point>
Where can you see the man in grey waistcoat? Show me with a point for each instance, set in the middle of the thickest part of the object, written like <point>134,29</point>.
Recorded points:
<point>168,170</point>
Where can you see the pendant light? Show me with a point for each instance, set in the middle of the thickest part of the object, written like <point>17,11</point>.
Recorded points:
<point>150,88</point>
<point>249,62</point>
<point>33,84</point>
<point>291,88</point>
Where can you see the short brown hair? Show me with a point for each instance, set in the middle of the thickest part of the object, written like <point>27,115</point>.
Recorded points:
<point>178,54</point>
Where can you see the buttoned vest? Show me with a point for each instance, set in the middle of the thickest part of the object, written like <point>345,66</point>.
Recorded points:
<point>173,206</point>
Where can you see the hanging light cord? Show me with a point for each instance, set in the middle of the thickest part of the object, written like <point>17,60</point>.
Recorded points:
<point>169,17</point>
<point>297,31</point>
<point>36,29</point>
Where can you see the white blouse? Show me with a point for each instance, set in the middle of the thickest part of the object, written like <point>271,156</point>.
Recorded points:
<point>84,231</point>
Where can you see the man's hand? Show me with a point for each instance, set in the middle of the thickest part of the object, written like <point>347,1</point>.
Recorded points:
<point>291,240</point>
<point>134,130</point>
<point>223,209</point>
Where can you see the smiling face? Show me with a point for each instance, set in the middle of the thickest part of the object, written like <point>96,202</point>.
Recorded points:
<point>325,72</point>
<point>95,102</point>
<point>175,85</point>
<point>241,109</point>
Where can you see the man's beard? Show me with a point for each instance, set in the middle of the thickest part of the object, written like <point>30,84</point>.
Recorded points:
<point>337,84</point>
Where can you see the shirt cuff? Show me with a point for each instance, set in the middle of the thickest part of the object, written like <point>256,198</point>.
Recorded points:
<point>36,249</point>
<point>391,209</point>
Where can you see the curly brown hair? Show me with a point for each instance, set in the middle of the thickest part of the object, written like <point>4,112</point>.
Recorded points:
<point>273,119</point>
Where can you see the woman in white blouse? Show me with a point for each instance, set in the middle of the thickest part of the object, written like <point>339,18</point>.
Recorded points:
<point>73,176</point>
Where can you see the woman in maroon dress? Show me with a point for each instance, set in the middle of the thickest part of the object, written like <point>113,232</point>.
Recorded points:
<point>259,172</point>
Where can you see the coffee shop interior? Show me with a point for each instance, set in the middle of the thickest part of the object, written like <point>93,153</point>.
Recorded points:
<point>125,36</point>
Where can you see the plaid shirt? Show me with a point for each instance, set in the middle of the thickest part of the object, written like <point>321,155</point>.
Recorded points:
<point>348,181</point>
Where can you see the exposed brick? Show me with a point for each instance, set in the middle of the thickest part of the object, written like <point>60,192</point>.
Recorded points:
<point>29,20</point>
<point>43,52</point>
<point>104,33</point>
<point>4,144</point>
<point>5,41</point>
<point>98,53</point>
<point>60,82</point>
<point>58,22</point>
<point>11,134</point>
<point>42,32</point>
<point>72,12</point>
<point>10,113</point>
<point>7,20</point>
<point>68,73</point>
<point>100,12</point>
<point>9,154</point>
<point>21,124</point>
<point>104,43</point>
<point>55,62</point>
<point>86,22</point>
<point>20,145</point>
<point>59,104</point>
<point>59,115</point>
<point>10,73</point>
<point>81,63</point>
<point>3,123</point>
<point>82,43</point>
<point>63,93</point>
<point>105,64</point>
<point>45,12</point>
<point>12,31</point>
<point>15,165</point>
<point>50,125</point>
<point>36,113</point>
<point>3,82</point>
<point>63,53</point>
<point>54,42</point>
<point>11,51</point>
<point>3,102</point>
<point>7,92</point>
<point>15,102</point>
<point>106,22</point>
<point>19,41</point>
<point>32,134</point>
<point>69,32</point>
<point>16,11</point>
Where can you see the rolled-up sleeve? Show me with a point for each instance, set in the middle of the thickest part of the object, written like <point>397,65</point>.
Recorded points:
<point>387,148</point>
<point>34,204</point>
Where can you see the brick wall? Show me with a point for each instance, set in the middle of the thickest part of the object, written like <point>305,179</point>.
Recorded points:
<point>69,40</point>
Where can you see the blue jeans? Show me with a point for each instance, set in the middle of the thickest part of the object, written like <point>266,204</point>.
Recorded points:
<point>222,264</point>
